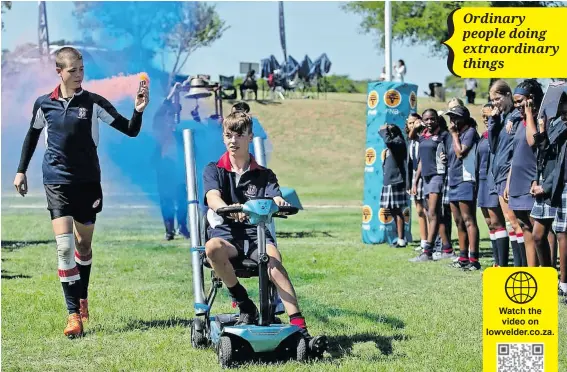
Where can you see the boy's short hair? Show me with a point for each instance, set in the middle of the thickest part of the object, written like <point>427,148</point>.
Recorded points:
<point>238,122</point>
<point>66,53</point>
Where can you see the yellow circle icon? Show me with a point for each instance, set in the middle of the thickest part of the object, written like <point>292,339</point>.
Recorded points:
<point>385,217</point>
<point>413,100</point>
<point>392,98</point>
<point>366,214</point>
<point>373,99</point>
<point>370,156</point>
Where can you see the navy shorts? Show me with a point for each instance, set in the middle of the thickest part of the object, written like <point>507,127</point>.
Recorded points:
<point>486,198</point>
<point>245,242</point>
<point>433,184</point>
<point>464,191</point>
<point>80,201</point>
<point>521,203</point>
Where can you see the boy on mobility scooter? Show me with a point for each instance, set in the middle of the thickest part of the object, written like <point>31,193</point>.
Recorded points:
<point>232,181</point>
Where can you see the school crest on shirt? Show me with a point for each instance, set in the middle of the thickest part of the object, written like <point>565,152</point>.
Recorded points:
<point>435,137</point>
<point>82,113</point>
<point>251,191</point>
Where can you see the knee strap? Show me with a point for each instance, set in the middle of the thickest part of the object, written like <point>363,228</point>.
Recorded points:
<point>67,268</point>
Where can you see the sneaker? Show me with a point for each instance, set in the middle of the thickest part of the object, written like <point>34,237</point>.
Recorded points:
<point>418,248</point>
<point>459,264</point>
<point>316,345</point>
<point>169,236</point>
<point>248,318</point>
<point>397,245</point>
<point>443,256</point>
<point>84,310</point>
<point>561,293</point>
<point>424,257</point>
<point>74,326</point>
<point>472,266</point>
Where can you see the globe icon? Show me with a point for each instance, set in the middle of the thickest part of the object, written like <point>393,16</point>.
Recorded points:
<point>521,287</point>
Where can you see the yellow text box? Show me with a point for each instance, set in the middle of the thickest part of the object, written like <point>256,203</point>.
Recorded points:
<point>520,317</point>
<point>508,42</point>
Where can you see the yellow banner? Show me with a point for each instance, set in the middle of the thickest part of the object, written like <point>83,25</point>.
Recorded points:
<point>520,319</point>
<point>508,42</point>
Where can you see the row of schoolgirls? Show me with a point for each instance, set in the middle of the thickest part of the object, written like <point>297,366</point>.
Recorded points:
<point>515,172</point>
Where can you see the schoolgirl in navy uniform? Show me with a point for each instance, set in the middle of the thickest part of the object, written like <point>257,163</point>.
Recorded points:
<point>462,184</point>
<point>553,142</point>
<point>488,201</point>
<point>415,178</point>
<point>529,96</point>
<point>433,144</point>
<point>523,172</point>
<point>394,195</point>
<point>502,123</point>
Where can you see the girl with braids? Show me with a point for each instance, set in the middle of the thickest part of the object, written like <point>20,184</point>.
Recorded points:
<point>522,172</point>
<point>462,185</point>
<point>415,178</point>
<point>502,123</point>
<point>433,144</point>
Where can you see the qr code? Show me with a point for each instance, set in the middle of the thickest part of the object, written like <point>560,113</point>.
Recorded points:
<point>520,358</point>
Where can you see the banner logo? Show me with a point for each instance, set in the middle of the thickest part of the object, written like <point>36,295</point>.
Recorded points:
<point>373,99</point>
<point>366,214</point>
<point>370,156</point>
<point>413,100</point>
<point>392,98</point>
<point>385,217</point>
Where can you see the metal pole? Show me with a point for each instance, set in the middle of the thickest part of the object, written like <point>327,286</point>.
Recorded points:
<point>194,220</point>
<point>388,39</point>
<point>260,156</point>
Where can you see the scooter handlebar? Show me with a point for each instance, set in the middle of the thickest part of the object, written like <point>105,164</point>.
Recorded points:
<point>286,210</point>
<point>282,210</point>
<point>228,210</point>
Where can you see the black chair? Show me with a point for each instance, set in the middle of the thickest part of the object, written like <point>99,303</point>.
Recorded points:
<point>228,89</point>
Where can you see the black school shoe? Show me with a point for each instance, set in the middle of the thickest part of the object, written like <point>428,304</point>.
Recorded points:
<point>246,318</point>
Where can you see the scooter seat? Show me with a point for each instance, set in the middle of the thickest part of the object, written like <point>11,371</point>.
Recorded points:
<point>243,268</point>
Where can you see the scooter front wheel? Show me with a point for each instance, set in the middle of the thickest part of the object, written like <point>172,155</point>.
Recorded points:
<point>198,338</point>
<point>225,352</point>
<point>301,349</point>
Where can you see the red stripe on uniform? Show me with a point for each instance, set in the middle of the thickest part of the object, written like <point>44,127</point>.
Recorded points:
<point>85,257</point>
<point>67,273</point>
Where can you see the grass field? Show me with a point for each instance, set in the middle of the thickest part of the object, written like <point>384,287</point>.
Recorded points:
<point>381,312</point>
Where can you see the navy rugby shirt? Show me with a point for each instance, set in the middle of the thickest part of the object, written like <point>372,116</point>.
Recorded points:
<point>256,182</point>
<point>463,169</point>
<point>430,148</point>
<point>72,135</point>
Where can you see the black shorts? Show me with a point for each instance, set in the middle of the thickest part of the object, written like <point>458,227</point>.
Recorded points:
<point>80,201</point>
<point>246,243</point>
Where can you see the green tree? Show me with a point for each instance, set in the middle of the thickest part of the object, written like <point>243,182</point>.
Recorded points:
<point>196,25</point>
<point>6,5</point>
<point>421,22</point>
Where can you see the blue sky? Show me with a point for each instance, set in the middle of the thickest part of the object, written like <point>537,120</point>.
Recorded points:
<point>312,28</point>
